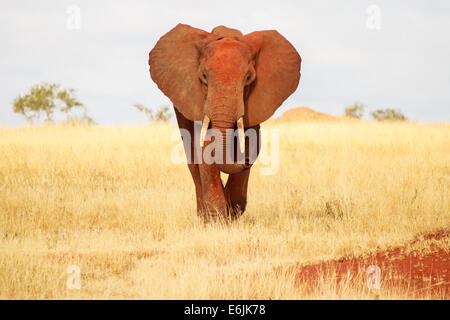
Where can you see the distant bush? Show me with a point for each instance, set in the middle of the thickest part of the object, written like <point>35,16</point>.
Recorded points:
<point>44,99</point>
<point>356,110</point>
<point>388,115</point>
<point>80,120</point>
<point>161,115</point>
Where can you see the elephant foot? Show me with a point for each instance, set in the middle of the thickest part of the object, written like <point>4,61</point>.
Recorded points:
<point>214,216</point>
<point>224,216</point>
<point>235,212</point>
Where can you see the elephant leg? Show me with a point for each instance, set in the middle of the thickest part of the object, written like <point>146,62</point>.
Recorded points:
<point>236,186</point>
<point>195,173</point>
<point>236,192</point>
<point>211,203</point>
<point>216,207</point>
<point>188,125</point>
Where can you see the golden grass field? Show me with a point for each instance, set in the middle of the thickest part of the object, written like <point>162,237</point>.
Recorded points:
<point>111,201</point>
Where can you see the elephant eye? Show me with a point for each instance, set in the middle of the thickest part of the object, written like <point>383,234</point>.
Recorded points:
<point>204,78</point>
<point>248,77</point>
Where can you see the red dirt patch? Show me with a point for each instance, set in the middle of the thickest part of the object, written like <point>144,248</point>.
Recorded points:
<point>414,270</point>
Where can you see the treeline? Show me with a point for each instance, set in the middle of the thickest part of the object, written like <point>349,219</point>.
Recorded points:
<point>43,101</point>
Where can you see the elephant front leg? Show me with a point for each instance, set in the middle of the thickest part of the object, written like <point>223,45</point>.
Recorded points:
<point>236,192</point>
<point>193,168</point>
<point>236,187</point>
<point>187,133</point>
<point>215,205</point>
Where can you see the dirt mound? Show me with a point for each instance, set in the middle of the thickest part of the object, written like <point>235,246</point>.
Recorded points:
<point>419,270</point>
<point>308,114</point>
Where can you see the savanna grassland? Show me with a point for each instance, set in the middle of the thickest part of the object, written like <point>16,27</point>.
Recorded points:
<point>111,201</point>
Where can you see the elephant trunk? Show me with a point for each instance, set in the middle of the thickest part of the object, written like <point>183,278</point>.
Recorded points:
<point>225,122</point>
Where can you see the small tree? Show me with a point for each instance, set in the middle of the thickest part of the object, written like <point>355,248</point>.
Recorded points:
<point>356,110</point>
<point>161,115</point>
<point>46,98</point>
<point>388,115</point>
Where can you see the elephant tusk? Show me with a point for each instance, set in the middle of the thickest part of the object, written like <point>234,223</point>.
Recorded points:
<point>240,126</point>
<point>204,129</point>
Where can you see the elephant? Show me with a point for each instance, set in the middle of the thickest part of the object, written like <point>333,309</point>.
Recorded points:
<point>220,81</point>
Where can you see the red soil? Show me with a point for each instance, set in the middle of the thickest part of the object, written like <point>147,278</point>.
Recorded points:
<point>416,273</point>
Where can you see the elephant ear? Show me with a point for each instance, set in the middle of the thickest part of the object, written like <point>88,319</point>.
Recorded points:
<point>174,63</point>
<point>277,66</point>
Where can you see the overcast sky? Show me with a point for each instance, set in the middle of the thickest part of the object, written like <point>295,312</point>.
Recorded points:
<point>401,60</point>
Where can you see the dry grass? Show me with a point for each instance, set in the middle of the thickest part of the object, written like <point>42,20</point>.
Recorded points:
<point>111,201</point>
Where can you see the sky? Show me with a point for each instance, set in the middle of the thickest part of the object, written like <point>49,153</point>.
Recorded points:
<point>384,54</point>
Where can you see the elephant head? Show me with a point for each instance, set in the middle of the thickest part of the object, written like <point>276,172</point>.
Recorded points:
<point>224,78</point>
